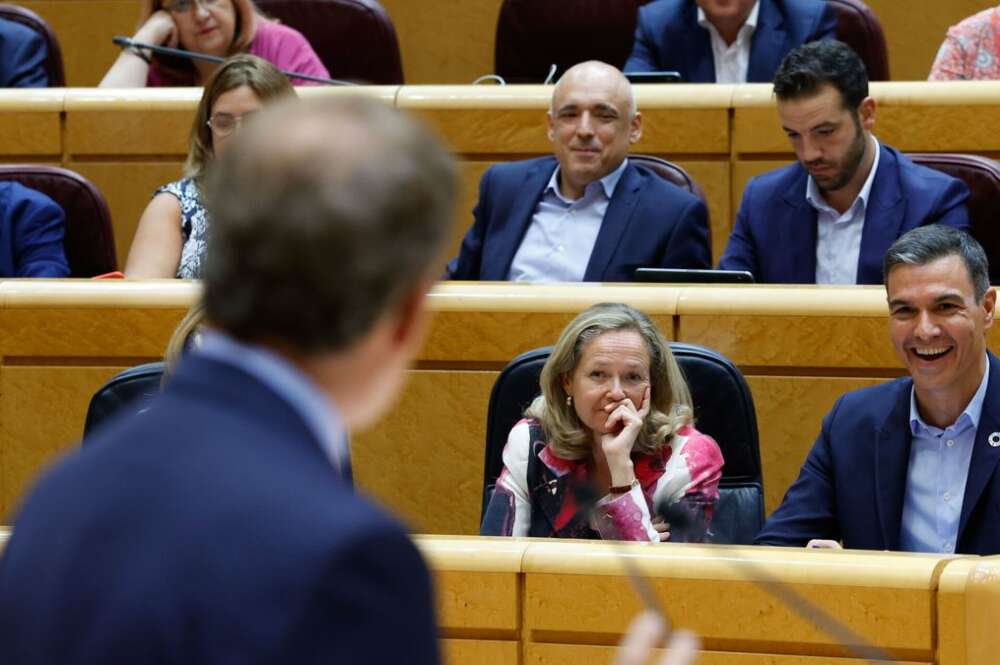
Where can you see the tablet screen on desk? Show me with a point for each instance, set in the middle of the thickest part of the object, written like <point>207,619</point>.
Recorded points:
<point>684,276</point>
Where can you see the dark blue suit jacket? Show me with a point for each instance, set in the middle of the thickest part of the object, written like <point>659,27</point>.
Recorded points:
<point>31,233</point>
<point>22,57</point>
<point>649,223</point>
<point>775,233</point>
<point>852,484</point>
<point>668,37</point>
<point>212,528</point>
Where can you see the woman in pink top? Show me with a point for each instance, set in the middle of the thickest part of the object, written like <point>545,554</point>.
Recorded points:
<point>214,27</point>
<point>971,49</point>
<point>609,439</point>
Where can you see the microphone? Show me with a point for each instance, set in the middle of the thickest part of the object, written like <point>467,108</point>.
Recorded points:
<point>126,42</point>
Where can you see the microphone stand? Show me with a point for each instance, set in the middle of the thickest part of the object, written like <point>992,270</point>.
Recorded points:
<point>125,42</point>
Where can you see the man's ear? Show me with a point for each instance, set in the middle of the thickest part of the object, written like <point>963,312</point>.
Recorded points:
<point>635,128</point>
<point>866,113</point>
<point>412,317</point>
<point>550,127</point>
<point>990,304</point>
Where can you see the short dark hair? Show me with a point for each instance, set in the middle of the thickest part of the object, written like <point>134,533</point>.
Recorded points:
<point>926,244</point>
<point>811,66</point>
<point>325,215</point>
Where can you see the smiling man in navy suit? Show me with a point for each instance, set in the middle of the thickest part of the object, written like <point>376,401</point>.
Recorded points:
<point>830,218</point>
<point>725,41</point>
<point>586,214</point>
<point>913,464</point>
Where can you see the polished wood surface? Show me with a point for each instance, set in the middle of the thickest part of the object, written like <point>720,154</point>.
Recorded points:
<point>799,347</point>
<point>129,142</point>
<point>745,603</point>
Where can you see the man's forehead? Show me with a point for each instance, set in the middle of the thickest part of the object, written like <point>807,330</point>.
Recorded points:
<point>945,277</point>
<point>590,96</point>
<point>824,106</point>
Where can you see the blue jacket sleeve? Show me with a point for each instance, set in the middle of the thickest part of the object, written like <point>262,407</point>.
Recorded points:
<point>826,27</point>
<point>377,594</point>
<point>689,245</point>
<point>22,58</point>
<point>643,56</point>
<point>950,209</point>
<point>39,225</point>
<point>741,250</point>
<point>468,263</point>
<point>809,509</point>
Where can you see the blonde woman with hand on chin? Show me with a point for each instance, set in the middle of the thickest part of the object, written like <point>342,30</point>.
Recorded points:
<point>614,421</point>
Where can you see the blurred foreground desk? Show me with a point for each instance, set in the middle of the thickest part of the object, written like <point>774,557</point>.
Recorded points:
<point>800,348</point>
<point>568,602</point>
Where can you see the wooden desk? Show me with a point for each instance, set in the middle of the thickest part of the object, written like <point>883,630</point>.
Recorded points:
<point>800,348</point>
<point>576,600</point>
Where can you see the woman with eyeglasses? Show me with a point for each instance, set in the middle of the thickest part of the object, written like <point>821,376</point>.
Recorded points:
<point>170,240</point>
<point>213,27</point>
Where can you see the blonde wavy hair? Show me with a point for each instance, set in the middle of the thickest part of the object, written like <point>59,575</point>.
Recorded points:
<point>671,406</point>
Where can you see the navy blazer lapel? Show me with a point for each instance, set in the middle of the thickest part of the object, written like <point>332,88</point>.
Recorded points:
<point>795,232</point>
<point>696,49</point>
<point>616,219</point>
<point>985,457</point>
<point>767,43</point>
<point>523,202</point>
<point>892,461</point>
<point>883,218</point>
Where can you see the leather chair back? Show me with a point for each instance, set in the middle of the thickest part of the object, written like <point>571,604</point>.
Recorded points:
<point>533,35</point>
<point>355,39</point>
<point>859,28</point>
<point>89,242</point>
<point>670,172</point>
<point>54,62</point>
<point>982,175</point>
<point>128,391</point>
<point>723,409</point>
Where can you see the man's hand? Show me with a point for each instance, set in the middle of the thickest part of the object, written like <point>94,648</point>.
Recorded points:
<point>646,632</point>
<point>821,544</point>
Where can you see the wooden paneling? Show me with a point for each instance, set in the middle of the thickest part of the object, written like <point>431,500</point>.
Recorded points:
<point>800,348</point>
<point>42,417</point>
<point>790,410</point>
<point>915,30</point>
<point>445,42</point>
<point>967,602</point>
<point>84,30</point>
<point>425,458</point>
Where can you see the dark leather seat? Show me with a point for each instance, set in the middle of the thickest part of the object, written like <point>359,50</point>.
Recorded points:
<point>130,389</point>
<point>355,39</point>
<point>670,172</point>
<point>859,28</point>
<point>723,410</point>
<point>982,175</point>
<point>532,35</point>
<point>89,242</point>
<point>28,18</point>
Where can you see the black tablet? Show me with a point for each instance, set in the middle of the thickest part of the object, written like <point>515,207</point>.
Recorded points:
<point>684,276</point>
<point>654,77</point>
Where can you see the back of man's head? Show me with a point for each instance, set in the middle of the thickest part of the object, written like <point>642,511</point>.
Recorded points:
<point>927,244</point>
<point>325,215</point>
<point>810,67</point>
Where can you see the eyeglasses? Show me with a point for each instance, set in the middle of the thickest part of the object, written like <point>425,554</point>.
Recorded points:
<point>224,124</point>
<point>184,6</point>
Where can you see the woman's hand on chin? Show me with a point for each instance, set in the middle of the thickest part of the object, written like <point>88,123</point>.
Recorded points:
<point>621,429</point>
